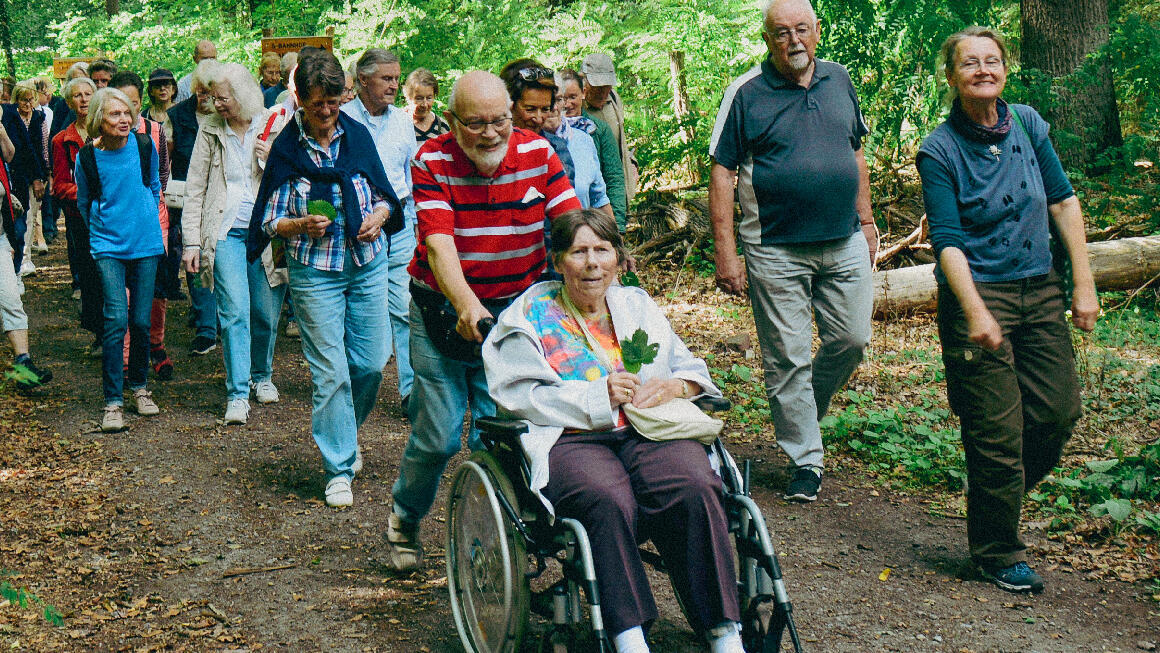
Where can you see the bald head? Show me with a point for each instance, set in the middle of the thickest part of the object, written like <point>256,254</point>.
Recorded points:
<point>204,50</point>
<point>478,86</point>
<point>773,7</point>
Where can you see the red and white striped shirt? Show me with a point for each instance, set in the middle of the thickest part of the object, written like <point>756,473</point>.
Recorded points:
<point>497,222</point>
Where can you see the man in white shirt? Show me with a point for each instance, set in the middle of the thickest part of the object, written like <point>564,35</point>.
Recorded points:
<point>377,81</point>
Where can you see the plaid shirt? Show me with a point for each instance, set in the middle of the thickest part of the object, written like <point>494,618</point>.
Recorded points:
<point>290,200</point>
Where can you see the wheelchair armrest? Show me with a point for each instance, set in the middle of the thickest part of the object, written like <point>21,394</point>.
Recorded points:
<point>502,427</point>
<point>711,404</point>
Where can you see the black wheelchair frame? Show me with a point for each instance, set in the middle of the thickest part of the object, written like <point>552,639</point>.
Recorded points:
<point>495,525</point>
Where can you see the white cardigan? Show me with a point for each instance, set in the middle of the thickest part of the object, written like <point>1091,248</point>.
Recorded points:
<point>524,385</point>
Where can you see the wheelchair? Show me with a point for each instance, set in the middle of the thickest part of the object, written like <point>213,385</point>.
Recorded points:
<point>500,537</point>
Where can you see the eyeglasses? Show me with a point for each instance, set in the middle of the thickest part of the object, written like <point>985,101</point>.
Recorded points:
<point>536,73</point>
<point>480,126</point>
<point>783,34</point>
<point>972,65</point>
<point>220,98</point>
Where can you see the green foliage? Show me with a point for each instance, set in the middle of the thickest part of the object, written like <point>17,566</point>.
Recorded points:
<point>637,351</point>
<point>1121,488</point>
<point>25,600</point>
<point>916,441</point>
<point>321,207</point>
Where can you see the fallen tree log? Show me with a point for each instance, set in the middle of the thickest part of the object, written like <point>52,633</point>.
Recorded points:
<point>1124,264</point>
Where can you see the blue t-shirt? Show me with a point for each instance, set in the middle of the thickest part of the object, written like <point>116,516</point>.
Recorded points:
<point>123,221</point>
<point>991,202</point>
<point>794,150</point>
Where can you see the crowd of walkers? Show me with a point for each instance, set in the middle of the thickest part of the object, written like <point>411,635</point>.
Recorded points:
<point>382,231</point>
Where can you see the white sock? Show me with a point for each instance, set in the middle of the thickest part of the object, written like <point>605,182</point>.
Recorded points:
<point>725,639</point>
<point>632,641</point>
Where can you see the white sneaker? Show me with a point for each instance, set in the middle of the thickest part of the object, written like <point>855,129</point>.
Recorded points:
<point>338,493</point>
<point>27,268</point>
<point>113,419</point>
<point>237,411</point>
<point>265,392</point>
<point>143,402</point>
<point>356,468</point>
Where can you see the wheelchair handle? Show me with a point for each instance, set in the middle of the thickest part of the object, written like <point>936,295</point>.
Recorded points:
<point>712,404</point>
<point>485,326</point>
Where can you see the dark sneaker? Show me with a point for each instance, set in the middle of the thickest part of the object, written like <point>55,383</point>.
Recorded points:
<point>203,345</point>
<point>162,365</point>
<point>28,376</point>
<point>1019,577</point>
<point>804,485</point>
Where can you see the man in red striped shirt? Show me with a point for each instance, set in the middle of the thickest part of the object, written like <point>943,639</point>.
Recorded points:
<point>482,193</point>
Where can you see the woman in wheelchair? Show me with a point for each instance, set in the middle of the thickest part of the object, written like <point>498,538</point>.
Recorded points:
<point>554,359</point>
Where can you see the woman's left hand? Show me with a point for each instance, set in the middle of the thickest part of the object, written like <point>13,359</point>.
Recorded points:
<point>655,392</point>
<point>38,188</point>
<point>371,226</point>
<point>1085,307</point>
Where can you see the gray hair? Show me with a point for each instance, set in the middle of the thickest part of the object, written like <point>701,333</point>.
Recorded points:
<point>767,7</point>
<point>949,50</point>
<point>370,61</point>
<point>242,83</point>
<point>204,72</point>
<point>70,86</point>
<point>289,60</point>
<point>97,108</point>
<point>78,69</point>
<point>420,77</point>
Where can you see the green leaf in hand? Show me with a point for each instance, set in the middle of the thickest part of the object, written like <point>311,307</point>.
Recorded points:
<point>637,351</point>
<point>629,278</point>
<point>321,207</point>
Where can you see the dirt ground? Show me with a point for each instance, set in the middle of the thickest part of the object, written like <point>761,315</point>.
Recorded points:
<point>137,538</point>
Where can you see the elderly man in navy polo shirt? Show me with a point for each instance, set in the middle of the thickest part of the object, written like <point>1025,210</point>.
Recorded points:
<point>789,135</point>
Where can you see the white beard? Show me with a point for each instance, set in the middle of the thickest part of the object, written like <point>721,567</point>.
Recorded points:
<point>488,161</point>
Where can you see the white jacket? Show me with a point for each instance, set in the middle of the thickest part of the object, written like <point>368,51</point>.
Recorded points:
<point>524,385</point>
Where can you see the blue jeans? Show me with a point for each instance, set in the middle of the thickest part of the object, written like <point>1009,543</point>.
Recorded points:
<point>346,342</point>
<point>137,276</point>
<point>203,306</point>
<point>443,390</point>
<point>248,312</point>
<point>48,217</point>
<point>790,285</point>
<point>399,304</point>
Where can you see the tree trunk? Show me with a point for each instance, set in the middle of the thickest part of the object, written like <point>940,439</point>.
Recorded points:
<point>6,38</point>
<point>1124,264</point>
<point>1058,37</point>
<point>681,102</point>
<point>112,7</point>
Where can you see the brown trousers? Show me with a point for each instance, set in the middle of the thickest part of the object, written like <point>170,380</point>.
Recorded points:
<point>1017,405</point>
<point>625,489</point>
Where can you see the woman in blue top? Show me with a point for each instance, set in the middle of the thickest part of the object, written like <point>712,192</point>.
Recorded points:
<point>120,208</point>
<point>993,187</point>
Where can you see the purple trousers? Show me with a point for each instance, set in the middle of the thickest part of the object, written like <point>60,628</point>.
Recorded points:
<point>626,490</point>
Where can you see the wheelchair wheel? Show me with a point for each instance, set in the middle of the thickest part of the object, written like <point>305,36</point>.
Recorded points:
<point>486,560</point>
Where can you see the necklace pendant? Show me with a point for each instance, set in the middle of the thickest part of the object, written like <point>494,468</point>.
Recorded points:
<point>994,150</point>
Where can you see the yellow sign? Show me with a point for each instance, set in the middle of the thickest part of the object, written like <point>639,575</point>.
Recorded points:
<point>281,45</point>
<point>60,66</point>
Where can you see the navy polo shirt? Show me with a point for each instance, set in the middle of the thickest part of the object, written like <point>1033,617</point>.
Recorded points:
<point>793,148</point>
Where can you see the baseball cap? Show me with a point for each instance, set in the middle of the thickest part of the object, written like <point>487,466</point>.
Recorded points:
<point>598,70</point>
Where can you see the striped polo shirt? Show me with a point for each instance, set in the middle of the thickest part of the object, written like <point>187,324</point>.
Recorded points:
<point>497,222</point>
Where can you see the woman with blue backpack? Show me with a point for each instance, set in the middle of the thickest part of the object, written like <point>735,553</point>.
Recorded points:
<point>118,191</point>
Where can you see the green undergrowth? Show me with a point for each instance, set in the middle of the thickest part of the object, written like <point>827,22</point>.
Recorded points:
<point>21,598</point>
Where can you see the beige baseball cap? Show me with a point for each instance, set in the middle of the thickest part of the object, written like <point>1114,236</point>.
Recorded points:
<point>598,70</point>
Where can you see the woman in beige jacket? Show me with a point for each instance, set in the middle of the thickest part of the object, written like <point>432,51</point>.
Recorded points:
<point>225,171</point>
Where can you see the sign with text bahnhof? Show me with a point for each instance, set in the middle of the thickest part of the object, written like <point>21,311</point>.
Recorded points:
<point>282,45</point>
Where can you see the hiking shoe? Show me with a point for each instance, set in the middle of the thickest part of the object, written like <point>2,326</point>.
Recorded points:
<point>338,493</point>
<point>143,403</point>
<point>162,365</point>
<point>265,392</point>
<point>1019,577</point>
<point>28,376</point>
<point>804,485</point>
<point>96,350</point>
<point>404,552</point>
<point>237,411</point>
<point>27,268</point>
<point>76,293</point>
<point>203,345</point>
<point>113,419</point>
<point>291,330</point>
